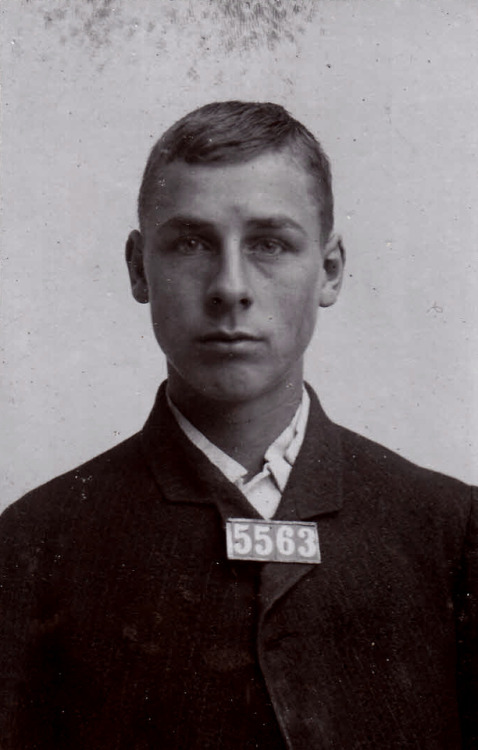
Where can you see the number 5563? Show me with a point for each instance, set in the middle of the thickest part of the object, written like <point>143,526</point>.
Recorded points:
<point>279,541</point>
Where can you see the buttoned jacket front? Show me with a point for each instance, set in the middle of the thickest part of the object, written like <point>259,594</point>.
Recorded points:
<point>110,574</point>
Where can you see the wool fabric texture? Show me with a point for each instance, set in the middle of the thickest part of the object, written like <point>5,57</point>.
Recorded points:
<point>125,627</point>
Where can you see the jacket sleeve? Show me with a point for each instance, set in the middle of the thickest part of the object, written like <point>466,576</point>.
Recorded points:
<point>20,579</point>
<point>467,632</point>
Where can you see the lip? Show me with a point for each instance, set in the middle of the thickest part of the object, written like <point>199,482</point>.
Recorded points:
<point>227,337</point>
<point>230,344</point>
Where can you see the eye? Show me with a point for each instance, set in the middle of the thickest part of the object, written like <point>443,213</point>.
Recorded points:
<point>190,245</point>
<point>267,247</point>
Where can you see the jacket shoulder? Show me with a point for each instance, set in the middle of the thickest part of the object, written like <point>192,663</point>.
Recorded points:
<point>400,480</point>
<point>379,457</point>
<point>87,484</point>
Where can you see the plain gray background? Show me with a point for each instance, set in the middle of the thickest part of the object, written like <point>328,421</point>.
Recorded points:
<point>390,88</point>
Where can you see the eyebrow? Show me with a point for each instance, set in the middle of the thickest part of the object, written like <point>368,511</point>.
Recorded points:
<point>185,222</point>
<point>276,222</point>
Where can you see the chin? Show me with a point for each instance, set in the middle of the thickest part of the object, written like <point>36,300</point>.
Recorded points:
<point>239,386</point>
<point>232,383</point>
<point>227,384</point>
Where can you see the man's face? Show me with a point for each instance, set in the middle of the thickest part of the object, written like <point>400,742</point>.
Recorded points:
<point>232,264</point>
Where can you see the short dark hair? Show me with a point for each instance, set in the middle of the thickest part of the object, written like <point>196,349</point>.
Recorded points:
<point>231,132</point>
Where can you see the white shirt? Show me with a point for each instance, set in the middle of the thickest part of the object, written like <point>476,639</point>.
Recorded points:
<point>264,490</point>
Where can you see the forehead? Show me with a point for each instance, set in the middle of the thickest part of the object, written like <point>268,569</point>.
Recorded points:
<point>272,183</point>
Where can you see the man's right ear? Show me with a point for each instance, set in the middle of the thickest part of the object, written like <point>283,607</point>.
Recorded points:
<point>134,260</point>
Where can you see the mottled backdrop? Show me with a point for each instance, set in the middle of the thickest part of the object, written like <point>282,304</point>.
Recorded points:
<point>391,88</point>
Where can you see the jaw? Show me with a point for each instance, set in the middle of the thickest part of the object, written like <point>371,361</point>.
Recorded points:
<point>235,389</point>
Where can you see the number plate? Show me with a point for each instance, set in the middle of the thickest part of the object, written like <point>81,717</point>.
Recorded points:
<point>276,541</point>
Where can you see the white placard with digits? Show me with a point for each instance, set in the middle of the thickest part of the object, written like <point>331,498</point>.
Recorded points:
<point>272,541</point>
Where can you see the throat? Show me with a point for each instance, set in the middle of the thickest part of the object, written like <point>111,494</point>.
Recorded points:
<point>242,431</point>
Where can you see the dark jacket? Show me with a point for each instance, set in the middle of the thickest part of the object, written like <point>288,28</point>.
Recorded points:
<point>124,626</point>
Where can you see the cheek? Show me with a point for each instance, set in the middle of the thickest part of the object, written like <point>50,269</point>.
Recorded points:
<point>295,316</point>
<point>175,281</point>
<point>173,297</point>
<point>298,302</point>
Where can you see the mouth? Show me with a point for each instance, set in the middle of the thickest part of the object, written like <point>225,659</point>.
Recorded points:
<point>227,337</point>
<point>230,343</point>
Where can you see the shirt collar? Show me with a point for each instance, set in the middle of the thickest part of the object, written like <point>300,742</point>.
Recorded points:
<point>278,459</point>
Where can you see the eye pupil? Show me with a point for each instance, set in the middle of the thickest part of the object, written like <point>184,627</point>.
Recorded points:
<point>190,245</point>
<point>270,247</point>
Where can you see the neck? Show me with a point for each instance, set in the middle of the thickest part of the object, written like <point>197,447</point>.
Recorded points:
<point>243,430</point>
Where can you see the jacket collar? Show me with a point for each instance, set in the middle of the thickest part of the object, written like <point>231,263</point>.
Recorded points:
<point>314,489</point>
<point>182,471</point>
<point>184,474</point>
<point>315,482</point>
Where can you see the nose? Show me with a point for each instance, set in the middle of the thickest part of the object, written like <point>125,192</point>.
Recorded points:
<point>230,286</point>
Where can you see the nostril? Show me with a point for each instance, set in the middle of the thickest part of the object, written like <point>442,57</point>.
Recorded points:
<point>224,300</point>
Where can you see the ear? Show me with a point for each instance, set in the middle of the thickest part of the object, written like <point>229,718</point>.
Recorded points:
<point>333,262</point>
<point>134,260</point>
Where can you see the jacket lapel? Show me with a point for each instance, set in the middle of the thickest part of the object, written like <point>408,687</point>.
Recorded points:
<point>313,490</point>
<point>184,474</point>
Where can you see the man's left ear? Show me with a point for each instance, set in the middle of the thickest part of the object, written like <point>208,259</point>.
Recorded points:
<point>333,261</point>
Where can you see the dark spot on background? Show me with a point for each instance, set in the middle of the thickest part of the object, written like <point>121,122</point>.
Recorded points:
<point>247,23</point>
<point>222,24</point>
<point>90,21</point>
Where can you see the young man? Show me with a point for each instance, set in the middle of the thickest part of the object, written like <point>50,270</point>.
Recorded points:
<point>242,573</point>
